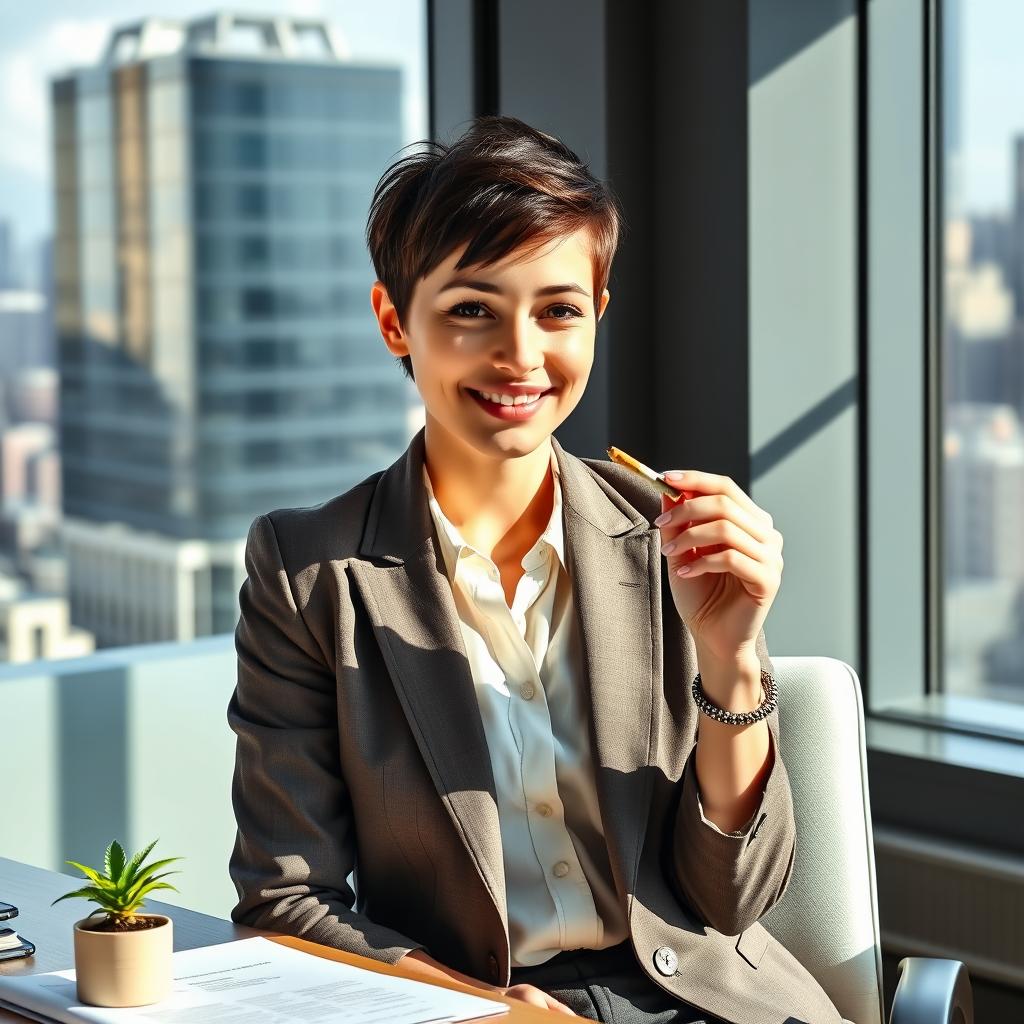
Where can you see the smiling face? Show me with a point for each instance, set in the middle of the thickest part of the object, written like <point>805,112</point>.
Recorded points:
<point>526,323</point>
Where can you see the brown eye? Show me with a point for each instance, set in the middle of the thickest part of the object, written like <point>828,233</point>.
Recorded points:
<point>454,311</point>
<point>574,313</point>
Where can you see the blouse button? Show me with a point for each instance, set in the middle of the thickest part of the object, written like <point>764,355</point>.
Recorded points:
<point>544,810</point>
<point>527,691</point>
<point>561,869</point>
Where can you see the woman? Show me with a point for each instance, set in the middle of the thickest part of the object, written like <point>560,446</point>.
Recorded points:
<point>468,678</point>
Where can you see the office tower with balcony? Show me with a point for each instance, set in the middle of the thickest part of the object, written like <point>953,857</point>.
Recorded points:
<point>218,355</point>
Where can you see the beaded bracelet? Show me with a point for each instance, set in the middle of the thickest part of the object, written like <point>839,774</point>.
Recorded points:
<point>768,704</point>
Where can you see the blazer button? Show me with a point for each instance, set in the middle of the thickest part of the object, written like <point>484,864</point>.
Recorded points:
<point>665,960</point>
<point>492,966</point>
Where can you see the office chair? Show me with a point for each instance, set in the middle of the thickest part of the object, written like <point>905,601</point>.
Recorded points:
<point>828,917</point>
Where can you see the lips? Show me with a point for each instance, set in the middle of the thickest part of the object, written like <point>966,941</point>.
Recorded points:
<point>509,412</point>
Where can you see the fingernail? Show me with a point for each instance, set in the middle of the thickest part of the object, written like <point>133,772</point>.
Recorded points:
<point>683,571</point>
<point>663,519</point>
<point>669,548</point>
<point>675,474</point>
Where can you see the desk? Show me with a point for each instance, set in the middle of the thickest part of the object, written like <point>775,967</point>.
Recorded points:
<point>32,890</point>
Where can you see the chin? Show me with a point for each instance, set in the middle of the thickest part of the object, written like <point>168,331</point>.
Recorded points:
<point>510,443</point>
<point>515,443</point>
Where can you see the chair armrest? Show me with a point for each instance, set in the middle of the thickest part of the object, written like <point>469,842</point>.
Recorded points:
<point>932,991</point>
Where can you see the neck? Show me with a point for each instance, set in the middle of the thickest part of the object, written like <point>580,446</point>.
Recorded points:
<point>499,504</point>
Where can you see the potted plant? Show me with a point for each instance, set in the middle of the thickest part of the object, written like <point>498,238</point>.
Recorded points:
<point>123,958</point>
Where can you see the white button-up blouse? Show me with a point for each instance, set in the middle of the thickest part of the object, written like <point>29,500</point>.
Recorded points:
<point>526,663</point>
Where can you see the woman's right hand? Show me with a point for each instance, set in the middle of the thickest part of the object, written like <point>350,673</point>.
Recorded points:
<point>536,997</point>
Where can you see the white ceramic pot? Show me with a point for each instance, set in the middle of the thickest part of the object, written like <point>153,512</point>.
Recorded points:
<point>123,968</point>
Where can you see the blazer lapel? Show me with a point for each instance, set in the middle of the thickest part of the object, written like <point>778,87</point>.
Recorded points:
<point>410,603</point>
<point>615,572</point>
<point>613,556</point>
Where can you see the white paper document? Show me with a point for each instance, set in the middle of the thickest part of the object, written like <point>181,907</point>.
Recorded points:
<point>255,981</point>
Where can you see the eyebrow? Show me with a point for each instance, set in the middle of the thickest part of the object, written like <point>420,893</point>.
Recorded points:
<point>487,286</point>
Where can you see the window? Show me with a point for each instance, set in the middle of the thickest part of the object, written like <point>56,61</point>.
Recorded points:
<point>946,266</point>
<point>982,332</point>
<point>242,371</point>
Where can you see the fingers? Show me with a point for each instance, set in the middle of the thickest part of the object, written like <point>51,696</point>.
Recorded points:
<point>538,997</point>
<point>710,534</point>
<point>561,1008</point>
<point>709,508</point>
<point>713,483</point>
<point>758,577</point>
<point>554,1004</point>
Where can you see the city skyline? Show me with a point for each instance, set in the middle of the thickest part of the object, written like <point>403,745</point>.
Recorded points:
<point>40,44</point>
<point>212,355</point>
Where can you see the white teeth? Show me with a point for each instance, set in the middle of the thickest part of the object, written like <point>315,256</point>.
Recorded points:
<point>509,400</point>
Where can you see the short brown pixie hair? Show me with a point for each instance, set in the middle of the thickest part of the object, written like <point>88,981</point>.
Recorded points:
<point>502,185</point>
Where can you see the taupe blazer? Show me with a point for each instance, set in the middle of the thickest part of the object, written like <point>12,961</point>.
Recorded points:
<point>360,746</point>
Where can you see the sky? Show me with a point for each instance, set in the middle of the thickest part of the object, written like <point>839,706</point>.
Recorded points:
<point>991,97</point>
<point>42,38</point>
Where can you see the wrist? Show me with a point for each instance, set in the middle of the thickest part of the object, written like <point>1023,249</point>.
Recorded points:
<point>735,658</point>
<point>733,683</point>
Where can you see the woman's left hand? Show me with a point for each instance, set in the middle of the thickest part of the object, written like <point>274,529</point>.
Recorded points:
<point>735,555</point>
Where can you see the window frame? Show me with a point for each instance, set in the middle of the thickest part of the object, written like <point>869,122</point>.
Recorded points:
<point>928,769</point>
<point>898,474</point>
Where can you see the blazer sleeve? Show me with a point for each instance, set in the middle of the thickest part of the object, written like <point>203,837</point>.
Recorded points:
<point>295,843</point>
<point>731,879</point>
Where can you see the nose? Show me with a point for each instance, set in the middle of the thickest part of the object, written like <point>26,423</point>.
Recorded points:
<point>520,350</point>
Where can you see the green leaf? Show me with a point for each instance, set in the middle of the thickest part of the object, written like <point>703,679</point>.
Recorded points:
<point>120,892</point>
<point>71,895</point>
<point>137,902</point>
<point>113,861</point>
<point>104,897</point>
<point>90,892</point>
<point>133,864</point>
<point>147,870</point>
<point>133,892</point>
<point>91,874</point>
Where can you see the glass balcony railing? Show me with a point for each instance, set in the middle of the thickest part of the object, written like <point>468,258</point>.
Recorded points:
<point>129,743</point>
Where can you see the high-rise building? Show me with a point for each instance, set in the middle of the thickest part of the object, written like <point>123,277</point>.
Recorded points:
<point>44,276</point>
<point>8,271</point>
<point>1017,222</point>
<point>217,352</point>
<point>984,472</point>
<point>24,343</point>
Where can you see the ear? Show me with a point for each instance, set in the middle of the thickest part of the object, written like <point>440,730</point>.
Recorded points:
<point>387,320</point>
<point>602,303</point>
